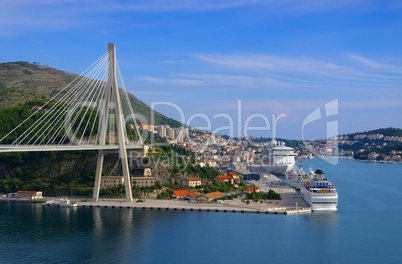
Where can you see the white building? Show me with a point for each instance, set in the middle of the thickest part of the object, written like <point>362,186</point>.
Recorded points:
<point>192,182</point>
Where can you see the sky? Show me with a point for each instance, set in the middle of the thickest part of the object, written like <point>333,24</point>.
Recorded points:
<point>291,69</point>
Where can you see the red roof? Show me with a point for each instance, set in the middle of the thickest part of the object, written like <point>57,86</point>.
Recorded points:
<point>180,193</point>
<point>193,179</point>
<point>224,178</point>
<point>28,192</point>
<point>214,195</point>
<point>193,194</point>
<point>252,188</point>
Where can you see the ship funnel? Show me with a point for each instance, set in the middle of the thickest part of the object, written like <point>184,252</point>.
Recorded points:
<point>319,175</point>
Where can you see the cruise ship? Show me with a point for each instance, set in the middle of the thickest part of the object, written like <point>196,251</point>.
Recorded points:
<point>319,193</point>
<point>297,177</point>
<point>276,159</point>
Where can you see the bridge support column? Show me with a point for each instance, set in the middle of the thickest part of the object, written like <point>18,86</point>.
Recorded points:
<point>112,100</point>
<point>121,128</point>
<point>98,175</point>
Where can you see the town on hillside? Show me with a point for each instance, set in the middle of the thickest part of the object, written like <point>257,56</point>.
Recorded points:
<point>224,152</point>
<point>220,167</point>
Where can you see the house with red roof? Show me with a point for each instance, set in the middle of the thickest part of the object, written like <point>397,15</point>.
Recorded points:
<point>38,108</point>
<point>209,197</point>
<point>192,195</point>
<point>214,195</point>
<point>191,182</point>
<point>186,194</point>
<point>29,194</point>
<point>180,193</point>
<point>233,179</point>
<point>252,189</point>
<point>224,178</point>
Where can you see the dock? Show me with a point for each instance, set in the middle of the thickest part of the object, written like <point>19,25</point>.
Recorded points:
<point>291,203</point>
<point>232,206</point>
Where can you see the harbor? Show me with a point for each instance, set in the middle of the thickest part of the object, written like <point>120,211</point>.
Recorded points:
<point>235,206</point>
<point>290,204</point>
<point>136,232</point>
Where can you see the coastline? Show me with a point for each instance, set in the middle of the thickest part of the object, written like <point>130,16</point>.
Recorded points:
<point>234,206</point>
<point>289,205</point>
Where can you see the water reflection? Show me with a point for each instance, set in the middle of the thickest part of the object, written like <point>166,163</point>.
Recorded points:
<point>324,218</point>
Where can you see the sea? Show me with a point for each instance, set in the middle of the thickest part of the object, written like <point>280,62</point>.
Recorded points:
<point>367,228</point>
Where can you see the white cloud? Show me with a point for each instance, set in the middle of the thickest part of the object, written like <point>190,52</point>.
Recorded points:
<point>231,80</point>
<point>269,76</point>
<point>370,63</point>
<point>171,81</point>
<point>256,62</point>
<point>307,70</point>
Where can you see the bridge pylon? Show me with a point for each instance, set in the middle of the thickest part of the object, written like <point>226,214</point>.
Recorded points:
<point>112,100</point>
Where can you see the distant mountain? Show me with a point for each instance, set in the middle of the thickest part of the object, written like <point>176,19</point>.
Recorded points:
<point>23,81</point>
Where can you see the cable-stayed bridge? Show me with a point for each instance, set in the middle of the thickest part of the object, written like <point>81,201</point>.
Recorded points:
<point>91,113</point>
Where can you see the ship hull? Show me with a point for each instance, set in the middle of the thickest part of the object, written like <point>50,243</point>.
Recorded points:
<point>276,159</point>
<point>320,201</point>
<point>293,183</point>
<point>276,169</point>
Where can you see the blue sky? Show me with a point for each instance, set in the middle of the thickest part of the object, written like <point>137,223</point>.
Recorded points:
<point>208,57</point>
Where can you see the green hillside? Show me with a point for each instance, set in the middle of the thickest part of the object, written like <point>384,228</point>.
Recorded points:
<point>23,85</point>
<point>391,131</point>
<point>23,81</point>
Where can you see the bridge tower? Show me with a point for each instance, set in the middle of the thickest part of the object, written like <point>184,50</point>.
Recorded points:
<point>112,100</point>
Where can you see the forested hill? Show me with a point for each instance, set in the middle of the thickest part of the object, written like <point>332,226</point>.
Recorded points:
<point>23,81</point>
<point>377,134</point>
<point>384,141</point>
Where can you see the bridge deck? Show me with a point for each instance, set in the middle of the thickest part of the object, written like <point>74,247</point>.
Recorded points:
<point>30,148</point>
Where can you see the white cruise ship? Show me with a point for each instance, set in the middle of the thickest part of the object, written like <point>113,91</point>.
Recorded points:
<point>297,177</point>
<point>276,159</point>
<point>318,192</point>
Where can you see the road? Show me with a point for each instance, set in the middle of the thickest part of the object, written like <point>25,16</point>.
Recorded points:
<point>289,196</point>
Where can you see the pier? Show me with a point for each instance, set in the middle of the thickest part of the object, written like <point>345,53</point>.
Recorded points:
<point>233,206</point>
<point>290,204</point>
<point>230,206</point>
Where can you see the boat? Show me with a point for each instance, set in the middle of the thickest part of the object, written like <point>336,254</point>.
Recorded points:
<point>276,158</point>
<point>319,193</point>
<point>62,202</point>
<point>297,176</point>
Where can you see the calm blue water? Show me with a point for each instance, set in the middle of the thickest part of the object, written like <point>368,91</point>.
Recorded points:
<point>367,228</point>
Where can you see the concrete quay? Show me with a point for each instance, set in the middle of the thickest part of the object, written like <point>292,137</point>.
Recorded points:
<point>288,194</point>
<point>233,206</point>
<point>290,204</point>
